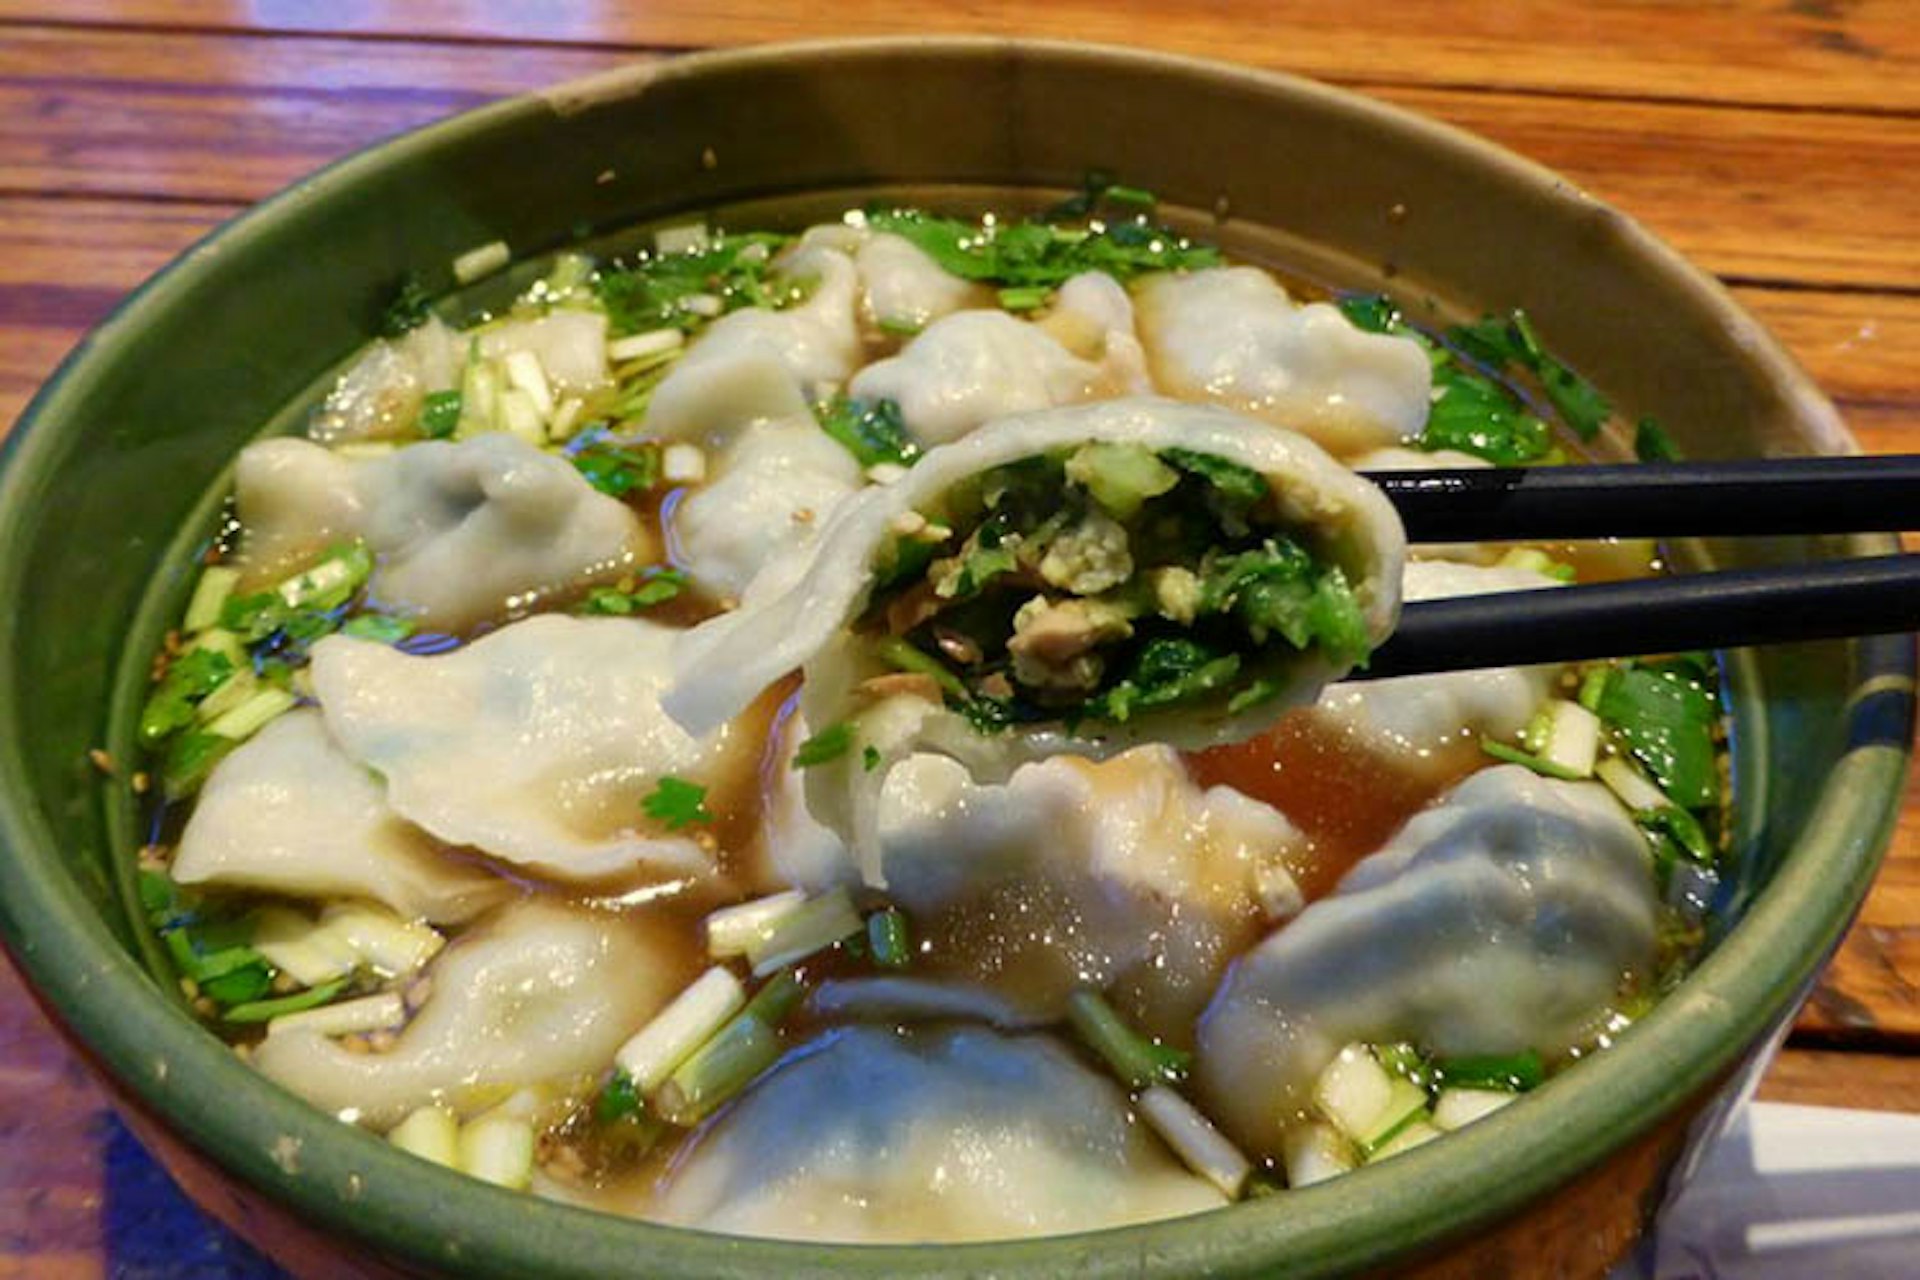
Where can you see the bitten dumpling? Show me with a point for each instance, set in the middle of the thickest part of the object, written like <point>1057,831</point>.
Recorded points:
<point>537,743</point>
<point>290,813</point>
<point>873,1135</point>
<point>1231,335</point>
<point>538,993</point>
<point>1507,917</point>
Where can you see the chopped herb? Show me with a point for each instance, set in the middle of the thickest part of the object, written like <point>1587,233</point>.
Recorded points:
<point>659,584</point>
<point>440,414</point>
<point>873,432</point>
<point>899,328</point>
<point>870,758</point>
<point>1167,671</point>
<point>1515,1073</point>
<point>830,743</point>
<point>888,936</point>
<point>241,986</point>
<point>1675,833</point>
<point>1240,485</point>
<point>652,293</point>
<point>1539,764</point>
<point>1651,443</point>
<point>617,470</point>
<point>381,628</point>
<point>1028,297</point>
<point>901,655</point>
<point>1501,342</point>
<point>1474,414</point>
<point>677,803</point>
<point>189,679</point>
<point>410,307</point>
<point>1374,312</point>
<point>257,1010</point>
<point>1665,716</point>
<point>1278,589</point>
<point>1135,1059</point>
<point>189,758</point>
<point>618,1099</point>
<point>780,996</point>
<point>1405,1061</point>
<point>1033,254</point>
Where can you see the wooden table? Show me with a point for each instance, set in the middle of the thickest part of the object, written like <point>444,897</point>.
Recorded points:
<point>1777,144</point>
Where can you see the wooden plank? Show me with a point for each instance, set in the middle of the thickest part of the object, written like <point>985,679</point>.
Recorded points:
<point>1864,54</point>
<point>1823,1078</point>
<point>1795,196</point>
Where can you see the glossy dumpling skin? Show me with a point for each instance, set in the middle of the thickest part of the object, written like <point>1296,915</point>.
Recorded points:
<point>1121,875</point>
<point>1231,335</point>
<point>756,364</point>
<point>1505,918</point>
<point>461,531</point>
<point>972,367</point>
<point>538,993</point>
<point>776,486</point>
<point>1412,720</point>
<point>870,1135</point>
<point>536,743</point>
<point>290,813</point>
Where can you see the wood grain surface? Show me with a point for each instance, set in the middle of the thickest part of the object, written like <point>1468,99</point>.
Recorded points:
<point>1775,142</point>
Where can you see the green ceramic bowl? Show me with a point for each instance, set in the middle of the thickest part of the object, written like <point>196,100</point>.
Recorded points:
<point>117,455</point>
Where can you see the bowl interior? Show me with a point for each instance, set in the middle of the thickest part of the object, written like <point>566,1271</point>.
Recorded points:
<point>128,447</point>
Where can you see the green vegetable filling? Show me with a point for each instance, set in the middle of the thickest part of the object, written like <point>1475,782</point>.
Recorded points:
<point>1100,583</point>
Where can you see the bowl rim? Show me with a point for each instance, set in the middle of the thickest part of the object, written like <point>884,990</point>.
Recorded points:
<point>161,1060</point>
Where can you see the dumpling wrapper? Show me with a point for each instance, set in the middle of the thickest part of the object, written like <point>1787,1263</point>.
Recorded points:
<point>972,367</point>
<point>1123,875</point>
<point>290,813</point>
<point>774,487</point>
<point>1507,917</point>
<point>756,364</point>
<point>539,992</point>
<point>460,531</point>
<point>536,744</point>
<point>871,1135</point>
<point>1232,335</point>
<point>902,286</point>
<point>1413,719</point>
<point>721,666</point>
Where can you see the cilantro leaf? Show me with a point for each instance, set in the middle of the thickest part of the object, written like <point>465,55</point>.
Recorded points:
<point>659,584</point>
<point>617,470</point>
<point>1373,312</point>
<point>652,293</point>
<point>1500,342</point>
<point>1665,716</point>
<point>677,803</point>
<point>873,432</point>
<point>440,415</point>
<point>189,678</point>
<point>1030,254</point>
<point>1476,415</point>
<point>830,743</point>
<point>410,307</point>
<point>1651,443</point>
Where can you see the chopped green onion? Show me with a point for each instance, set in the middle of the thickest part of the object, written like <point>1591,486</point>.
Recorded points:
<point>209,596</point>
<point>498,1149</point>
<point>252,715</point>
<point>1516,1072</point>
<point>887,935</point>
<point>680,1028</point>
<point>268,1010</point>
<point>440,415</point>
<point>1630,785</point>
<point>1539,764</point>
<point>718,1070</point>
<point>1025,297</point>
<point>901,655</point>
<point>381,628</point>
<point>733,931</point>
<point>619,1099</point>
<point>1137,1060</point>
<point>1651,443</point>
<point>432,1133</point>
<point>1315,1152</point>
<point>780,996</point>
<point>1194,1139</point>
<point>815,926</point>
<point>189,759</point>
<point>482,260</point>
<point>392,945</point>
<point>1457,1108</point>
<point>190,678</point>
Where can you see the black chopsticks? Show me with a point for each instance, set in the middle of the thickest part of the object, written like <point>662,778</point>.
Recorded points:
<point>1743,498</point>
<point>1876,595</point>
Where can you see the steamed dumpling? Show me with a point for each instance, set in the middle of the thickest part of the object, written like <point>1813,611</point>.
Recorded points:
<point>1122,873</point>
<point>872,1135</point>
<point>903,288</point>
<point>754,364</point>
<point>1232,335</point>
<point>775,486</point>
<point>290,813</point>
<point>465,531</point>
<point>975,366</point>
<point>380,394</point>
<point>461,532</point>
<point>1411,719</point>
<point>536,743</point>
<point>539,993</point>
<point>1508,917</point>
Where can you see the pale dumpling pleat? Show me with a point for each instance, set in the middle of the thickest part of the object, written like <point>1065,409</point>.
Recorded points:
<point>290,813</point>
<point>1233,336</point>
<point>537,744</point>
<point>902,287</point>
<point>871,1135</point>
<point>540,992</point>
<point>1412,720</point>
<point>1505,918</point>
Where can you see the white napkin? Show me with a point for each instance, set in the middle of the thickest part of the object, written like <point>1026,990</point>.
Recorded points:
<point>1798,1193</point>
